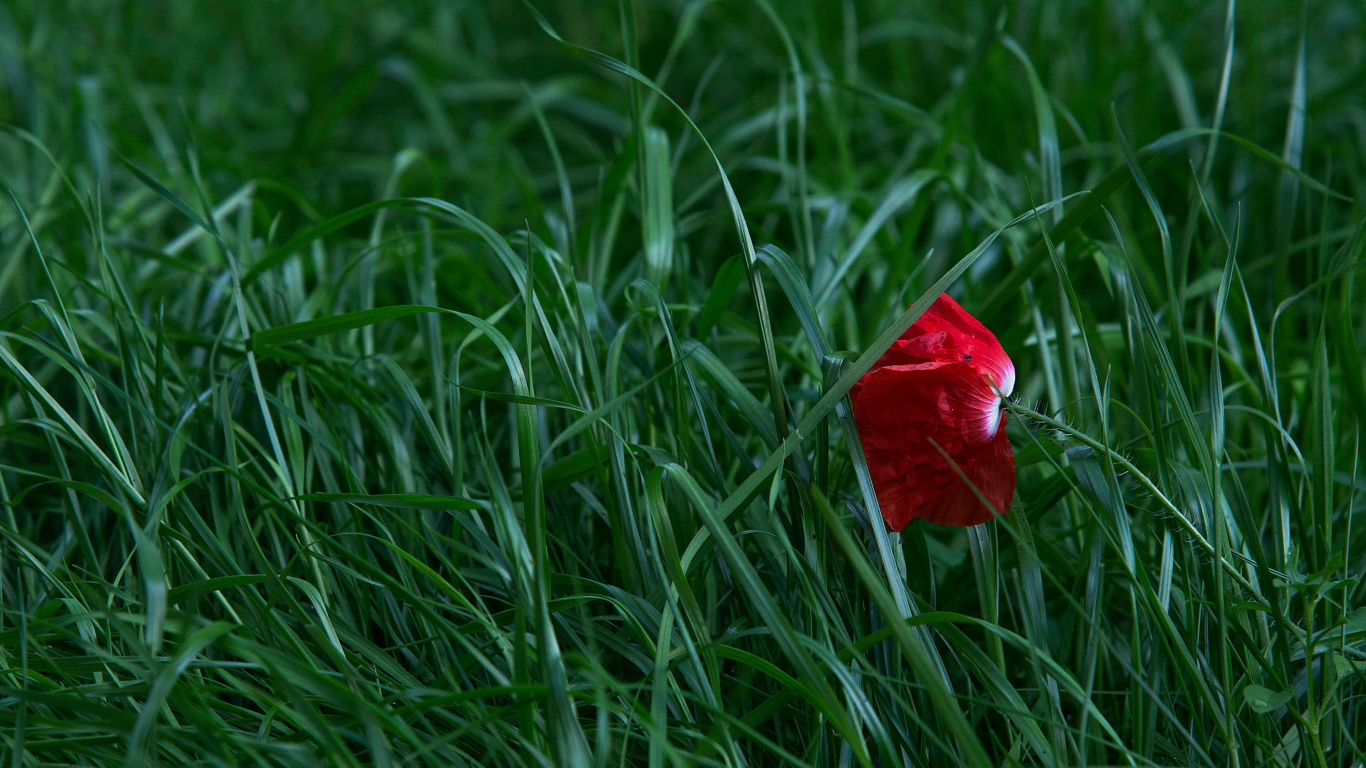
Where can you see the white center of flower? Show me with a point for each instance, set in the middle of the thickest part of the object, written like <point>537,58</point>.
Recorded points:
<point>1008,381</point>
<point>1005,387</point>
<point>994,417</point>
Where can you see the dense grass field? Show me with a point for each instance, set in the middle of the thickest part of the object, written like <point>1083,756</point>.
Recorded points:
<point>464,383</point>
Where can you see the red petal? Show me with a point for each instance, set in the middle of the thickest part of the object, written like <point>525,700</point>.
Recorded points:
<point>991,470</point>
<point>940,382</point>
<point>947,333</point>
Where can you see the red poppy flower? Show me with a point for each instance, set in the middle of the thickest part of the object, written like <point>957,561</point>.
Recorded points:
<point>942,381</point>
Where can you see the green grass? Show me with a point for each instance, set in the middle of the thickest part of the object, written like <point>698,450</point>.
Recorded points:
<point>463,383</point>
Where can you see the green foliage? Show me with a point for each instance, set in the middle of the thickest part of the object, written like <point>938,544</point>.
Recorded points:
<point>463,383</point>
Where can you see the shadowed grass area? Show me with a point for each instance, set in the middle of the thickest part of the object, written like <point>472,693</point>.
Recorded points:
<point>463,383</point>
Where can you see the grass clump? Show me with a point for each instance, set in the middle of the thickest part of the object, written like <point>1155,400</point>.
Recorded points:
<point>463,383</point>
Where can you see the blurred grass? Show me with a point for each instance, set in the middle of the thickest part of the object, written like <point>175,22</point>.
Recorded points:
<point>396,384</point>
